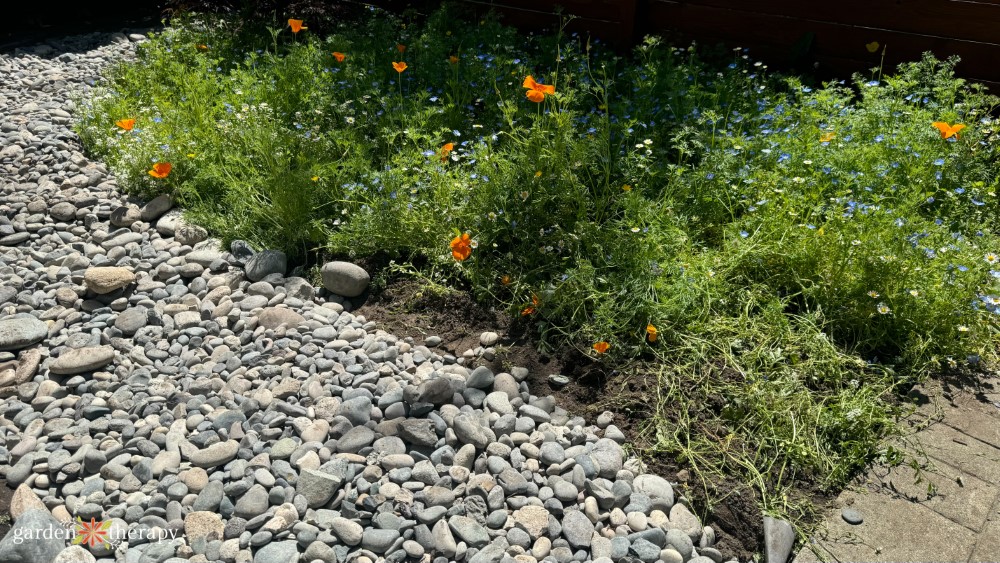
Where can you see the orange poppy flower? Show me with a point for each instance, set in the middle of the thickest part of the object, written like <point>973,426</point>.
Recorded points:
<point>652,333</point>
<point>446,150</point>
<point>505,280</point>
<point>461,247</point>
<point>201,47</point>
<point>453,59</point>
<point>401,48</point>
<point>827,137</point>
<point>601,347</point>
<point>339,56</point>
<point>161,170</point>
<point>536,92</point>
<point>948,131</point>
<point>400,67</point>
<point>126,124</point>
<point>296,25</point>
<point>533,308</point>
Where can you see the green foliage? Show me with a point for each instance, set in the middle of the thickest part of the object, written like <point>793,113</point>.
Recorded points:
<point>819,246</point>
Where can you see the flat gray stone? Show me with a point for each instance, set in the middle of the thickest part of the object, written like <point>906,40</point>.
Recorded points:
<point>852,516</point>
<point>278,552</point>
<point>21,331</point>
<point>318,487</point>
<point>655,487</point>
<point>348,531</point>
<point>273,317</point>
<point>82,360</point>
<point>378,540</point>
<point>779,537</point>
<point>155,208</point>
<point>265,263</point>
<point>469,531</point>
<point>26,541</point>
<point>577,529</point>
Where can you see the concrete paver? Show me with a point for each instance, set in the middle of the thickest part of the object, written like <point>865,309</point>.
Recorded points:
<point>894,530</point>
<point>956,446</point>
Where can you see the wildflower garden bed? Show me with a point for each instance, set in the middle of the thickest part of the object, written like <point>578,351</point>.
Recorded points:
<point>749,267</point>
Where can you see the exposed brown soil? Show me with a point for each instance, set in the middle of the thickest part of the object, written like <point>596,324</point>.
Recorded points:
<point>6,493</point>
<point>406,308</point>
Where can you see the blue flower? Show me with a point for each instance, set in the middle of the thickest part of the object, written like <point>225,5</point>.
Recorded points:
<point>959,191</point>
<point>879,138</point>
<point>939,162</point>
<point>744,234</point>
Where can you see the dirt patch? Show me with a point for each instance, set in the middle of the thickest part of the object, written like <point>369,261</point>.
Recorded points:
<point>406,307</point>
<point>6,493</point>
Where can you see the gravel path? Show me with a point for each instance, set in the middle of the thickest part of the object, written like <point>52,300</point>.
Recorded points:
<point>208,408</point>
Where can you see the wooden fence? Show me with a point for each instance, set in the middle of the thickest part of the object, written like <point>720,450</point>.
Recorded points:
<point>833,37</point>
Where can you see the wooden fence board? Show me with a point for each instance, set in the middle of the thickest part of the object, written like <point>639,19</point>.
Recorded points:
<point>830,40</point>
<point>958,19</point>
<point>840,29</point>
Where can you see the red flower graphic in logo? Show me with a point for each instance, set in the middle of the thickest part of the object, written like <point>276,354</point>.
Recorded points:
<point>91,533</point>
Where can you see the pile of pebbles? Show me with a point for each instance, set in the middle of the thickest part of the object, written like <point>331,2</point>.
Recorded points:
<point>208,406</point>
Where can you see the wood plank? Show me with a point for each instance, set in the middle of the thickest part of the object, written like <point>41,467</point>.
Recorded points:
<point>830,40</point>
<point>615,11</point>
<point>958,19</point>
<point>610,20</point>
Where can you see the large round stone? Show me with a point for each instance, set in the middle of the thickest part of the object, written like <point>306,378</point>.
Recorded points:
<point>344,278</point>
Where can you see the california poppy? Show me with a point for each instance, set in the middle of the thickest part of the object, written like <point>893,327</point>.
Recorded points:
<point>948,131</point>
<point>827,137</point>
<point>536,92</point>
<point>872,47</point>
<point>201,47</point>
<point>339,56</point>
<point>505,280</point>
<point>601,347</point>
<point>461,247</point>
<point>126,124</point>
<point>400,67</point>
<point>160,170</point>
<point>652,333</point>
<point>446,150</point>
<point>401,48</point>
<point>531,309</point>
<point>453,59</point>
<point>296,25</point>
